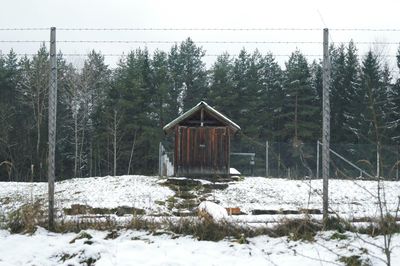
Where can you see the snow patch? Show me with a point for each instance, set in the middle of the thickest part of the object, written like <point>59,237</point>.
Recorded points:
<point>217,212</point>
<point>141,248</point>
<point>234,171</point>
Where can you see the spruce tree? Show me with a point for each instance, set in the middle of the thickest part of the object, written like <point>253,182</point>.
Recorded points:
<point>95,81</point>
<point>375,99</point>
<point>270,99</point>
<point>299,109</point>
<point>353,107</point>
<point>9,132</point>
<point>135,96</point>
<point>65,152</point>
<point>222,93</point>
<point>188,75</point>
<point>176,87</point>
<point>245,80</point>
<point>162,83</point>
<point>395,99</point>
<point>193,77</point>
<point>390,109</point>
<point>316,84</point>
<point>338,95</point>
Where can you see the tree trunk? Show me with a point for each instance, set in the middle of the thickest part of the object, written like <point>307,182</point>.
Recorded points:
<point>76,144</point>
<point>115,143</point>
<point>91,157</point>
<point>295,122</point>
<point>38,139</point>
<point>132,150</point>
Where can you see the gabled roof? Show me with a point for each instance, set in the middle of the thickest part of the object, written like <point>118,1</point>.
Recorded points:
<point>217,115</point>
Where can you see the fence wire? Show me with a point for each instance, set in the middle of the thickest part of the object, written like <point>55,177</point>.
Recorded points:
<point>285,160</point>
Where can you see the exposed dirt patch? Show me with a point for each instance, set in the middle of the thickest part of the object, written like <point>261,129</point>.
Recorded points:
<point>79,209</point>
<point>5,200</point>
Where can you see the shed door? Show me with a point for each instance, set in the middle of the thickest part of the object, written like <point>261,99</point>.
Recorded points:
<point>203,151</point>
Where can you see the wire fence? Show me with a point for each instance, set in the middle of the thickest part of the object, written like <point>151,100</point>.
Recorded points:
<point>116,42</point>
<point>254,158</point>
<point>368,157</point>
<point>285,160</point>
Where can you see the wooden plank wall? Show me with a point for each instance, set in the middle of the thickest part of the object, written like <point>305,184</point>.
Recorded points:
<point>202,151</point>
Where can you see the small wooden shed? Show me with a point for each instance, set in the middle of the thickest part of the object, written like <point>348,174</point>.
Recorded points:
<point>202,142</point>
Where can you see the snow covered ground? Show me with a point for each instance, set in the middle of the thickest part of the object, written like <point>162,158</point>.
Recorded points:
<point>141,248</point>
<point>349,198</point>
<point>102,192</point>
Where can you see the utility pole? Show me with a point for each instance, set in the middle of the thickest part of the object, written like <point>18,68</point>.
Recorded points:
<point>325,123</point>
<point>52,124</point>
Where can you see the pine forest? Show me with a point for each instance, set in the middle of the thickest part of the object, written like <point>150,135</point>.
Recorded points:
<point>105,112</point>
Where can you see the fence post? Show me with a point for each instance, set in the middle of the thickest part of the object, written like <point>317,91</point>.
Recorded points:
<point>252,163</point>
<point>52,124</point>
<point>325,122</point>
<point>159,160</point>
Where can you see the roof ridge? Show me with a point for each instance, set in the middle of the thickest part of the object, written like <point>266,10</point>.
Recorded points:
<point>194,109</point>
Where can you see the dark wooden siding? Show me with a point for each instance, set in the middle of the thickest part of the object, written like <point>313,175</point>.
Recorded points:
<point>201,151</point>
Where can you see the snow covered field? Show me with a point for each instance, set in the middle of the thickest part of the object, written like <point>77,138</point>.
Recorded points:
<point>141,248</point>
<point>350,199</point>
<point>103,192</point>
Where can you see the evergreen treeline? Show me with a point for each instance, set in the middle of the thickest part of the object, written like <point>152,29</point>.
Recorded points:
<point>104,112</point>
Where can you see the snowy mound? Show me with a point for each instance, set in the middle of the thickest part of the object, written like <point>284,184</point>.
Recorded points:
<point>215,211</point>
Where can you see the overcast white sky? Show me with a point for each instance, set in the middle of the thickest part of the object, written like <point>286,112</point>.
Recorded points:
<point>199,14</point>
